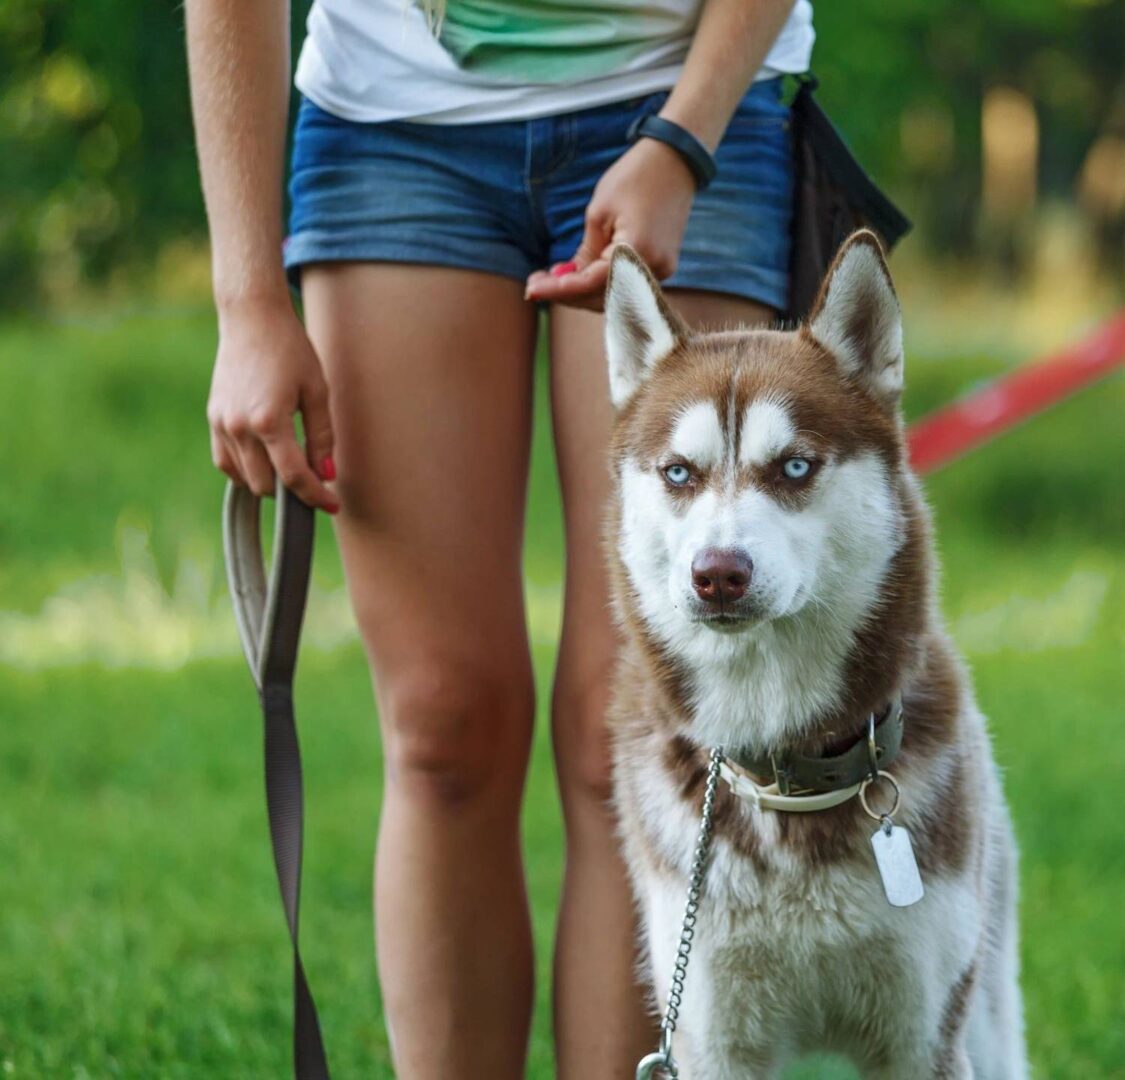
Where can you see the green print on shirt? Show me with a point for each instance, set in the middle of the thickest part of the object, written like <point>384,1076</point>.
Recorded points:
<point>547,41</point>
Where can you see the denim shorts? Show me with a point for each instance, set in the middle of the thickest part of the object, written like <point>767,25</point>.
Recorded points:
<point>510,197</point>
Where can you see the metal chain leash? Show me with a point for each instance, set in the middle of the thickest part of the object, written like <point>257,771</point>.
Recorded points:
<point>661,1064</point>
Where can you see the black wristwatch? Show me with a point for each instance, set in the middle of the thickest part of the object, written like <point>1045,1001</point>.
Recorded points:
<point>696,156</point>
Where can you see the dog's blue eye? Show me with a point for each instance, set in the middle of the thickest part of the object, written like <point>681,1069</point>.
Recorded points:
<point>796,468</point>
<point>677,474</point>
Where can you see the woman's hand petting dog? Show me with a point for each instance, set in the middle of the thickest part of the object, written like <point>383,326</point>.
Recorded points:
<point>643,200</point>
<point>265,373</point>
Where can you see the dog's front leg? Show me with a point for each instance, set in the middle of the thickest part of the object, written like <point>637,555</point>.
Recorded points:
<point>725,1030</point>
<point>724,1062</point>
<point>714,1044</point>
<point>949,1063</point>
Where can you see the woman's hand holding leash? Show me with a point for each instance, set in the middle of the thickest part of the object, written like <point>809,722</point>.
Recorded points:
<point>642,200</point>
<point>266,371</point>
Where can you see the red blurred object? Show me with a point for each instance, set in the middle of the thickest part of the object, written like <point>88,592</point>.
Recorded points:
<point>939,438</point>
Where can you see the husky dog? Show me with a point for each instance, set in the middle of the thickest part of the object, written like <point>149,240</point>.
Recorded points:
<point>773,575</point>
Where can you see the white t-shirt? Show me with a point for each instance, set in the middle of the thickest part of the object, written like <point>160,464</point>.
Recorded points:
<point>375,60</point>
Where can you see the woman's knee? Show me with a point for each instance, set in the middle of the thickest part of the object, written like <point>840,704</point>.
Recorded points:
<point>582,738</point>
<point>457,731</point>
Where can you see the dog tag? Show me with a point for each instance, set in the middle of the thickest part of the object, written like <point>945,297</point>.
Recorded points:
<point>894,856</point>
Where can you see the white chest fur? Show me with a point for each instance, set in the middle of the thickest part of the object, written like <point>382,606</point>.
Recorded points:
<point>790,957</point>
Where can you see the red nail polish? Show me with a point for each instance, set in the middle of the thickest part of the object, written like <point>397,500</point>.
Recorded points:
<point>332,508</point>
<point>564,268</point>
<point>328,469</point>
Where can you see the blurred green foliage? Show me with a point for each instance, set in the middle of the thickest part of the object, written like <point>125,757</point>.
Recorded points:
<point>905,82</point>
<point>97,162</point>
<point>97,168</point>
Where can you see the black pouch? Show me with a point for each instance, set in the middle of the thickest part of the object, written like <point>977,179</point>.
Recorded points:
<point>833,197</point>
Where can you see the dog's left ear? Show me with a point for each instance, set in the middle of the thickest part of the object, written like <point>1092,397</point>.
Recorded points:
<point>640,327</point>
<point>857,318</point>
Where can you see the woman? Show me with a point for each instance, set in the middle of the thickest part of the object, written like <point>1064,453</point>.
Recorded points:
<point>455,167</point>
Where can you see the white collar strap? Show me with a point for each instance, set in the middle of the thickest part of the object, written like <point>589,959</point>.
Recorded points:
<point>767,797</point>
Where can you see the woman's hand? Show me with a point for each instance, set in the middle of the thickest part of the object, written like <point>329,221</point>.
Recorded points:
<point>266,371</point>
<point>643,199</point>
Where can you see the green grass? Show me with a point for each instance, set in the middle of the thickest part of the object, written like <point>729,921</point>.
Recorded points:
<point>140,932</point>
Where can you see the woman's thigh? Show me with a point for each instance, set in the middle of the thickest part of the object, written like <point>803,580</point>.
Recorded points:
<point>430,377</point>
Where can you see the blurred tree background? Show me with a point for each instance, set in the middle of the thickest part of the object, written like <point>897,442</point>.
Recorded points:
<point>977,114</point>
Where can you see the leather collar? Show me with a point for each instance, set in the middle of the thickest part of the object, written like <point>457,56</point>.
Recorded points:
<point>795,773</point>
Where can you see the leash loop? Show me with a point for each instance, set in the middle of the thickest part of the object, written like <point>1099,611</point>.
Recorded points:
<point>269,613</point>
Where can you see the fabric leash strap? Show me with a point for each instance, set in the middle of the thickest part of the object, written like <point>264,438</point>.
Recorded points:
<point>269,615</point>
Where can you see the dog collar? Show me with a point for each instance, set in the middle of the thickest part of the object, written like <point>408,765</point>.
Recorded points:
<point>803,782</point>
<point>767,796</point>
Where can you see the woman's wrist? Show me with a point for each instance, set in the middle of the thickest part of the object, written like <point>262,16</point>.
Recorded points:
<point>699,119</point>
<point>664,162</point>
<point>692,153</point>
<point>728,49</point>
<point>253,300</point>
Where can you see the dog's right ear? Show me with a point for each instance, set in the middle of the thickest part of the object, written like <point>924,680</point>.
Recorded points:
<point>857,318</point>
<point>640,327</point>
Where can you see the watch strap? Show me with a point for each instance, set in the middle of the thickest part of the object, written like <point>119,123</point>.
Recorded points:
<point>695,155</point>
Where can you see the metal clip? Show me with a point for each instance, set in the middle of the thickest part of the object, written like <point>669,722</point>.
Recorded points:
<point>657,1066</point>
<point>872,749</point>
<point>780,774</point>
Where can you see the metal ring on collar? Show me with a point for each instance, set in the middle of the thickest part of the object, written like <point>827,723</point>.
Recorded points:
<point>863,796</point>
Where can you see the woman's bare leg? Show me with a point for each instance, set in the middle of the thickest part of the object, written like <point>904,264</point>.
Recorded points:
<point>602,1024</point>
<point>430,375</point>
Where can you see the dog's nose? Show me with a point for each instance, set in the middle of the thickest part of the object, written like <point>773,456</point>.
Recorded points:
<point>720,577</point>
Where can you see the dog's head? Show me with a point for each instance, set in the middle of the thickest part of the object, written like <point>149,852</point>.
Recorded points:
<point>757,469</point>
